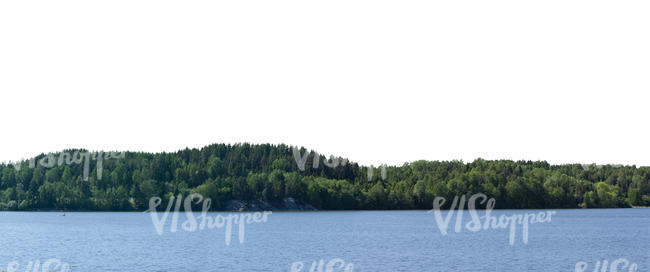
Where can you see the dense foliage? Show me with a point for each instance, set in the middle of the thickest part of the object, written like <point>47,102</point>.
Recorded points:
<point>270,173</point>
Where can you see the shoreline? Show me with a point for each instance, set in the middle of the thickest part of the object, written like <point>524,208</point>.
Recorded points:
<point>317,211</point>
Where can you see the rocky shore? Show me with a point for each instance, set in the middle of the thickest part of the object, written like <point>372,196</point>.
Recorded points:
<point>287,204</point>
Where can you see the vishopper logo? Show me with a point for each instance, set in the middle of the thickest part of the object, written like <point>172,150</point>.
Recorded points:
<point>302,160</point>
<point>67,158</point>
<point>193,223</point>
<point>50,265</point>
<point>320,266</point>
<point>587,167</point>
<point>489,221</point>
<point>620,263</point>
<point>333,162</point>
<point>383,172</point>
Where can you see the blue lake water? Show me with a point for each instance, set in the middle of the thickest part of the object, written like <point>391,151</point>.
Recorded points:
<point>370,240</point>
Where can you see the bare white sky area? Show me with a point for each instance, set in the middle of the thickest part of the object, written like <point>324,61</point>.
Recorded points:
<point>375,81</point>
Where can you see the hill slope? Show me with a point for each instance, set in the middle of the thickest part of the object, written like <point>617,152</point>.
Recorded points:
<point>78,180</point>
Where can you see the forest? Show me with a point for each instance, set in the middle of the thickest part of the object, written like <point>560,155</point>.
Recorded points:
<point>68,180</point>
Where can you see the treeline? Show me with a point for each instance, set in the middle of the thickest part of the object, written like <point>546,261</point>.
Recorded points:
<point>271,173</point>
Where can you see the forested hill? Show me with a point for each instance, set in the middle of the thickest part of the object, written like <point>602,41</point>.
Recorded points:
<point>79,180</point>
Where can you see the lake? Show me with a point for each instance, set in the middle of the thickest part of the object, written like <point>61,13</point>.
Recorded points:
<point>361,240</point>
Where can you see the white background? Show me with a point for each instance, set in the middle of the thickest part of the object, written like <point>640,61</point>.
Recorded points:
<point>375,81</point>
